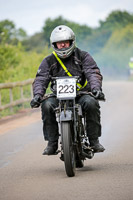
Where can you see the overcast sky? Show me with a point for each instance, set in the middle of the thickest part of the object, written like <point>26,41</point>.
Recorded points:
<point>31,14</point>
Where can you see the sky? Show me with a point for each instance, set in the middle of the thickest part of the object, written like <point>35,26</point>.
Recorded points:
<point>31,14</point>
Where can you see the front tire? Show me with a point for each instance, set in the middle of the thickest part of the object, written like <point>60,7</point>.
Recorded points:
<point>68,149</point>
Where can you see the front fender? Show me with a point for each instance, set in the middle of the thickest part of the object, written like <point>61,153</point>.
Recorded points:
<point>66,116</point>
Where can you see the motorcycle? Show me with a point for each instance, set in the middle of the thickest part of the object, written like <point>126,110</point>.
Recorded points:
<point>74,143</point>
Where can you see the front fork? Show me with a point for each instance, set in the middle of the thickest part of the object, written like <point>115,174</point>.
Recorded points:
<point>66,112</point>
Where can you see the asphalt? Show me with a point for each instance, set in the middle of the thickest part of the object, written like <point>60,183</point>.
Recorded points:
<point>26,174</point>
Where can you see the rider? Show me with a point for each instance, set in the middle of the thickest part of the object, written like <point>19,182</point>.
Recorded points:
<point>78,63</point>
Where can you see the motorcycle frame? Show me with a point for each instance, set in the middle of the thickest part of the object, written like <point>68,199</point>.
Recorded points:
<point>72,114</point>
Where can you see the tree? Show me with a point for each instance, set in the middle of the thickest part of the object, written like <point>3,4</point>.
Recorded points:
<point>20,34</point>
<point>6,30</point>
<point>35,42</point>
<point>81,31</point>
<point>9,34</point>
<point>117,19</point>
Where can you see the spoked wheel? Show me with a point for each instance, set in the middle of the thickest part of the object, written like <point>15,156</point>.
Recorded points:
<point>68,149</point>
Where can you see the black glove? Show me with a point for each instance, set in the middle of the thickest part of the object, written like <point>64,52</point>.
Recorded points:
<point>98,94</point>
<point>35,102</point>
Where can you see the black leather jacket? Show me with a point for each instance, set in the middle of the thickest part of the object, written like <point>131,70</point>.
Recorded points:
<point>80,63</point>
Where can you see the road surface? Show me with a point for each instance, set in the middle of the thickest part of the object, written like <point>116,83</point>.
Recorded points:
<point>27,175</point>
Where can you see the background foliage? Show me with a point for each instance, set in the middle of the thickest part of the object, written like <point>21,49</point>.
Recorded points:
<point>111,45</point>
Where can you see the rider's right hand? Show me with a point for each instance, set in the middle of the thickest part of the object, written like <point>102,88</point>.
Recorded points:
<point>35,102</point>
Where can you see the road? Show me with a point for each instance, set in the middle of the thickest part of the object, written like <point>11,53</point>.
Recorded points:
<point>27,175</point>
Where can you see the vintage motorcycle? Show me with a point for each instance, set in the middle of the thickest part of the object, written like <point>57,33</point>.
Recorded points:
<point>71,120</point>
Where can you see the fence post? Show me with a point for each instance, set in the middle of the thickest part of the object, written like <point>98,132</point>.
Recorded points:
<point>22,94</point>
<point>31,90</point>
<point>0,99</point>
<point>11,99</point>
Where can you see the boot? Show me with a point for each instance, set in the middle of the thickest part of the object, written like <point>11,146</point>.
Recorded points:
<point>51,148</point>
<point>96,146</point>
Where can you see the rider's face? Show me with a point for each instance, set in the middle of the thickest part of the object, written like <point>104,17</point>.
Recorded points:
<point>63,44</point>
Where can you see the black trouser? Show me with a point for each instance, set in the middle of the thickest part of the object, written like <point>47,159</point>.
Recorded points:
<point>89,105</point>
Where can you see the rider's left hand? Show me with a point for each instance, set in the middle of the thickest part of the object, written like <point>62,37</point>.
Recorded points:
<point>98,94</point>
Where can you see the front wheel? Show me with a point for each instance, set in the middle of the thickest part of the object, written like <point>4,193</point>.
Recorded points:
<point>68,149</point>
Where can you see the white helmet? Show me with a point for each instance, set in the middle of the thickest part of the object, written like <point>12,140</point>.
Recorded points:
<point>63,33</point>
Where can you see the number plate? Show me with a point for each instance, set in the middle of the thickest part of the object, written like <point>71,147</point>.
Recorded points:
<point>66,88</point>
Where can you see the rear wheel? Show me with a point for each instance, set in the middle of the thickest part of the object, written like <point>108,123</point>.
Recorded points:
<point>68,149</point>
<point>79,157</point>
<point>79,163</point>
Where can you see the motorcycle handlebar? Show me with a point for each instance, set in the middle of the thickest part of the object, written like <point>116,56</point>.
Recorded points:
<point>91,94</point>
<point>78,94</point>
